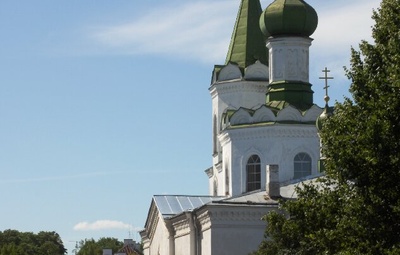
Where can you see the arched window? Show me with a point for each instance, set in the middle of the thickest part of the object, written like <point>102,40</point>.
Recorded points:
<point>302,165</point>
<point>253,171</point>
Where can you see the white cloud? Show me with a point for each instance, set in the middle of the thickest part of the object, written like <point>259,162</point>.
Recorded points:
<point>201,30</point>
<point>195,30</point>
<point>101,225</point>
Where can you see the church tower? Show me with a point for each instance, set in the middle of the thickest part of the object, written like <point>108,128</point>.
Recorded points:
<point>241,82</point>
<point>288,25</point>
<point>264,115</point>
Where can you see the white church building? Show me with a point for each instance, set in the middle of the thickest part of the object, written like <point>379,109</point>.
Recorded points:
<point>265,138</point>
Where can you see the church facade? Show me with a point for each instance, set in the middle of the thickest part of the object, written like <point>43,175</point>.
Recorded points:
<point>265,139</point>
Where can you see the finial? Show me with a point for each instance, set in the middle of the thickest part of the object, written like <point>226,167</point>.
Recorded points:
<point>326,78</point>
<point>327,112</point>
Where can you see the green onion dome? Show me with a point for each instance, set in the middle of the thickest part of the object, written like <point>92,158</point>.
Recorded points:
<point>289,17</point>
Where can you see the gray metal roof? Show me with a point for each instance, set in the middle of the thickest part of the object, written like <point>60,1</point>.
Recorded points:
<point>289,190</point>
<point>170,205</point>
<point>255,197</point>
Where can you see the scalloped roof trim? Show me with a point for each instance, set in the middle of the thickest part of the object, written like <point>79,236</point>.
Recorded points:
<point>255,72</point>
<point>264,114</point>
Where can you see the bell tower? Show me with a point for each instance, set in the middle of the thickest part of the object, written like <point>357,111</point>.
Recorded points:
<point>241,82</point>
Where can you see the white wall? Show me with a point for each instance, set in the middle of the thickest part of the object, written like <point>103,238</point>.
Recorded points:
<point>276,144</point>
<point>159,244</point>
<point>236,230</point>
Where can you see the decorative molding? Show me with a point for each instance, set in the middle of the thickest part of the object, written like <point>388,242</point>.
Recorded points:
<point>256,72</point>
<point>231,215</point>
<point>264,114</point>
<point>224,138</point>
<point>229,72</point>
<point>241,116</point>
<point>290,114</point>
<point>238,86</point>
<point>313,113</point>
<point>152,221</point>
<point>209,172</point>
<point>232,72</point>
<point>181,227</point>
<point>289,59</point>
<point>237,216</point>
<point>218,166</point>
<point>204,220</point>
<point>264,132</point>
<point>145,239</point>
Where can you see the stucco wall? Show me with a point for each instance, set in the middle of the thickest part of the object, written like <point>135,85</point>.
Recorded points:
<point>182,245</point>
<point>159,244</point>
<point>206,242</point>
<point>277,145</point>
<point>236,230</point>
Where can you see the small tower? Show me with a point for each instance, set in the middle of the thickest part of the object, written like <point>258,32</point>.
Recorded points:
<point>241,82</point>
<point>289,25</point>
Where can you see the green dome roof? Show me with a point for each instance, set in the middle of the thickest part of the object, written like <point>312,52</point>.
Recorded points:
<point>289,17</point>
<point>325,115</point>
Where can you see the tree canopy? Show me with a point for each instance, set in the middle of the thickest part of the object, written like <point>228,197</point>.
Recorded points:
<point>92,247</point>
<point>13,242</point>
<point>355,208</point>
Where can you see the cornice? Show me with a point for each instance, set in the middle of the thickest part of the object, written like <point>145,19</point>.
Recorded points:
<point>218,166</point>
<point>204,220</point>
<point>264,114</point>
<point>153,219</point>
<point>290,40</point>
<point>232,214</point>
<point>239,217</point>
<point>181,227</point>
<point>268,131</point>
<point>236,86</point>
<point>209,172</point>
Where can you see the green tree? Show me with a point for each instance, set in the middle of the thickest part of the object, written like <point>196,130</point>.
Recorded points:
<point>13,242</point>
<point>92,247</point>
<point>356,208</point>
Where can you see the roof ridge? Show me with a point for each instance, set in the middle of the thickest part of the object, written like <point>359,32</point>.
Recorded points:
<point>247,41</point>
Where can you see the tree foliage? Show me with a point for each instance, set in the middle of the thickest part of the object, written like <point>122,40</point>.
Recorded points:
<point>13,242</point>
<point>355,209</point>
<point>92,247</point>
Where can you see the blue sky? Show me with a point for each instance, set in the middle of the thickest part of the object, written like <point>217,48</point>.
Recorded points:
<point>105,103</point>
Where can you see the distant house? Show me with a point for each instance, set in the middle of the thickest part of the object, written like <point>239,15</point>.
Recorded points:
<point>130,248</point>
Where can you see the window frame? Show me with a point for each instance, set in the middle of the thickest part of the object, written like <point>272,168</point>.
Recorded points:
<point>302,165</point>
<point>253,173</point>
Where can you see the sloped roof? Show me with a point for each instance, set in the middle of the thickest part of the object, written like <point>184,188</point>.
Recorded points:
<point>170,205</point>
<point>247,42</point>
<point>254,197</point>
<point>260,197</point>
<point>128,250</point>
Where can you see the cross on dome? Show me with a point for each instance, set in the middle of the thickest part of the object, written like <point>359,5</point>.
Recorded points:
<point>326,78</point>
